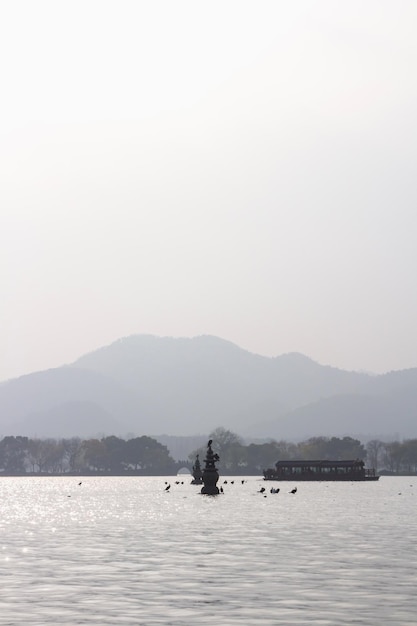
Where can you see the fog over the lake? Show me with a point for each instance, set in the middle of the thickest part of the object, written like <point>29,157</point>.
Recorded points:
<point>240,169</point>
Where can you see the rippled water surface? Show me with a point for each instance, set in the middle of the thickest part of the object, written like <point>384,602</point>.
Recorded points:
<point>123,551</point>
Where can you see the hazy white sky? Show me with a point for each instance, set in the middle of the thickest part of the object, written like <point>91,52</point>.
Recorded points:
<point>241,169</point>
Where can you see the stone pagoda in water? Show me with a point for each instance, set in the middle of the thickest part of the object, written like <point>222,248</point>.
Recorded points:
<point>197,473</point>
<point>210,473</point>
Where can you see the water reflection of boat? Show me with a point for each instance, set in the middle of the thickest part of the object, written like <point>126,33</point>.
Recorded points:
<point>320,470</point>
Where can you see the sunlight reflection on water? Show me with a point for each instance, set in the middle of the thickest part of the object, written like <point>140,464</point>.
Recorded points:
<point>123,551</point>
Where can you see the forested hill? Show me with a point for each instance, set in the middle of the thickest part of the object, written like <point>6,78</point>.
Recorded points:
<point>152,385</point>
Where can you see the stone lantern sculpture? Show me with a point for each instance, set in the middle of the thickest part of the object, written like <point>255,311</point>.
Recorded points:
<point>210,473</point>
<point>197,473</point>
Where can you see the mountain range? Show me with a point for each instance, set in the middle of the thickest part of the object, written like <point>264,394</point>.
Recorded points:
<point>189,386</point>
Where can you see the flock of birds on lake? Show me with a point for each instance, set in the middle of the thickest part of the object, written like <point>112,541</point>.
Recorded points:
<point>262,490</point>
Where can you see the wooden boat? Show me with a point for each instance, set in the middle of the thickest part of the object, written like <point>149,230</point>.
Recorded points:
<point>320,470</point>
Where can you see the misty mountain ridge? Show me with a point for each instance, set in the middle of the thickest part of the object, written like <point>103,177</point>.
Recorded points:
<point>188,386</point>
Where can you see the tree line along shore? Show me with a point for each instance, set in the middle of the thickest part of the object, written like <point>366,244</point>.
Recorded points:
<point>144,455</point>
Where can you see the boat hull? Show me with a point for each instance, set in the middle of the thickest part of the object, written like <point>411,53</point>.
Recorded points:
<point>321,479</point>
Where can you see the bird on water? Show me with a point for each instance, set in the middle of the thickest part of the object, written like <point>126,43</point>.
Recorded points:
<point>167,488</point>
<point>293,490</point>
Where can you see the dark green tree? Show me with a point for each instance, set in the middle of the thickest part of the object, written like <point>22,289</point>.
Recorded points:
<point>13,451</point>
<point>260,456</point>
<point>334,449</point>
<point>115,453</point>
<point>93,455</point>
<point>147,454</point>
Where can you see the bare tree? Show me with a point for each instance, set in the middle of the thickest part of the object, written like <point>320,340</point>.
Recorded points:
<point>374,450</point>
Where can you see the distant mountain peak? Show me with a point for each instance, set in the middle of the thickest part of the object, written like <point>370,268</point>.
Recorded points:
<point>146,342</point>
<point>180,386</point>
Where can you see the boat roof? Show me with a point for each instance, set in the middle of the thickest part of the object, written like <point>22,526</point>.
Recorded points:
<point>322,462</point>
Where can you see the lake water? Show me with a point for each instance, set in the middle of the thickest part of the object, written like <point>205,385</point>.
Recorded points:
<point>122,551</point>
